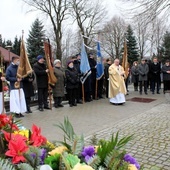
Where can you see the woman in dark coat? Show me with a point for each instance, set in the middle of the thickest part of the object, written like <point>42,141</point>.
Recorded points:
<point>135,75</point>
<point>28,90</point>
<point>166,75</point>
<point>58,90</point>
<point>72,82</point>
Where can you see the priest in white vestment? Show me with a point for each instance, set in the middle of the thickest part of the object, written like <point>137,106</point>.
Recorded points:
<point>117,88</point>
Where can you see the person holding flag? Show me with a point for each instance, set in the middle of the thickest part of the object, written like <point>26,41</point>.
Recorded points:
<point>99,73</point>
<point>85,71</point>
<point>17,70</point>
<point>17,97</point>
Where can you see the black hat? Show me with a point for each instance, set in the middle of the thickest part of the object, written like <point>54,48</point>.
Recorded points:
<point>167,61</point>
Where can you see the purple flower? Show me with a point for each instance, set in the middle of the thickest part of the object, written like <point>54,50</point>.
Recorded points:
<point>88,152</point>
<point>128,158</point>
<point>33,155</point>
<point>42,156</point>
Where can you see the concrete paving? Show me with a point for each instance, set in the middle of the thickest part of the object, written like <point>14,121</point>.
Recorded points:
<point>149,122</point>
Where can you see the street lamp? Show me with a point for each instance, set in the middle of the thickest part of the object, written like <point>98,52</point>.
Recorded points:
<point>9,47</point>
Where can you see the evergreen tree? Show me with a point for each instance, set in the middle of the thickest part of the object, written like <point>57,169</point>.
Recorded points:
<point>0,40</point>
<point>132,48</point>
<point>4,43</point>
<point>8,43</point>
<point>34,41</point>
<point>165,46</point>
<point>16,46</point>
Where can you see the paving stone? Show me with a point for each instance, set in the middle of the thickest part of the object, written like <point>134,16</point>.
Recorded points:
<point>149,122</point>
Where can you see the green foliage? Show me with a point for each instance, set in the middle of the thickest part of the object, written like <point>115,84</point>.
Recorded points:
<point>94,140</point>
<point>94,162</point>
<point>165,49</point>
<point>35,40</point>
<point>73,142</point>
<point>68,130</point>
<point>70,160</point>
<point>6,165</point>
<point>16,46</point>
<point>25,166</point>
<point>53,161</point>
<point>132,49</point>
<point>106,147</point>
<point>34,161</point>
<point>114,160</point>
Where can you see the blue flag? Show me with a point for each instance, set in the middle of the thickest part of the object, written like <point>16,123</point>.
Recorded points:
<point>84,65</point>
<point>100,68</point>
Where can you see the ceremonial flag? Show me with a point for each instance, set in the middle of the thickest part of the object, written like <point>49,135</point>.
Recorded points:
<point>84,65</point>
<point>125,63</point>
<point>100,68</point>
<point>24,68</point>
<point>48,56</point>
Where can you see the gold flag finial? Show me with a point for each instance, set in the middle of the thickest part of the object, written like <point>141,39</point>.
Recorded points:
<point>22,33</point>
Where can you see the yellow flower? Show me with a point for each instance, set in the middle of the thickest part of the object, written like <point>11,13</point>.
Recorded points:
<point>23,133</point>
<point>132,167</point>
<point>96,147</point>
<point>79,166</point>
<point>50,145</point>
<point>58,150</point>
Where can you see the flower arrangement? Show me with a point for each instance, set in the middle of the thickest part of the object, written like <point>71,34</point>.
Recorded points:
<point>22,149</point>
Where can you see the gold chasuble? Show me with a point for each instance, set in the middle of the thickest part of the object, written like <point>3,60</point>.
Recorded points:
<point>116,80</point>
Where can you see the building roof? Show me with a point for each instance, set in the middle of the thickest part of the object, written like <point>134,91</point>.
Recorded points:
<point>6,55</point>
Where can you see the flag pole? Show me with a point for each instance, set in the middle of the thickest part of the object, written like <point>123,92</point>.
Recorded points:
<point>83,93</point>
<point>3,102</point>
<point>96,89</point>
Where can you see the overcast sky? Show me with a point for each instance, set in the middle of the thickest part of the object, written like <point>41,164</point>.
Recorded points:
<point>14,18</point>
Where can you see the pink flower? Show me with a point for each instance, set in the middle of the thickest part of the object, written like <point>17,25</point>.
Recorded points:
<point>16,150</point>
<point>36,138</point>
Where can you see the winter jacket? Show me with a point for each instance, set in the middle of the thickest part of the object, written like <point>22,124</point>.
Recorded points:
<point>134,74</point>
<point>28,85</point>
<point>72,78</point>
<point>143,70</point>
<point>155,71</point>
<point>166,76</point>
<point>41,75</point>
<point>11,76</point>
<point>58,90</point>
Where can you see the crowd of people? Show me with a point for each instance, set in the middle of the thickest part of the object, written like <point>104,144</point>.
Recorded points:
<point>113,82</point>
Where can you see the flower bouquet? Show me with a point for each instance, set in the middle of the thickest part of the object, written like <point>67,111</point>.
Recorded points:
<point>23,149</point>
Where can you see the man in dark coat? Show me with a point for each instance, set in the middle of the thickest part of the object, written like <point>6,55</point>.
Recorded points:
<point>76,63</point>
<point>106,74</point>
<point>166,76</point>
<point>143,70</point>
<point>155,70</point>
<point>93,64</point>
<point>28,90</point>
<point>42,82</point>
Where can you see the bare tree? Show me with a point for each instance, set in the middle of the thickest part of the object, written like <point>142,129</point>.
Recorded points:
<point>71,43</point>
<point>88,15</point>
<point>113,37</point>
<point>150,9</point>
<point>149,35</point>
<point>142,34</point>
<point>56,11</point>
